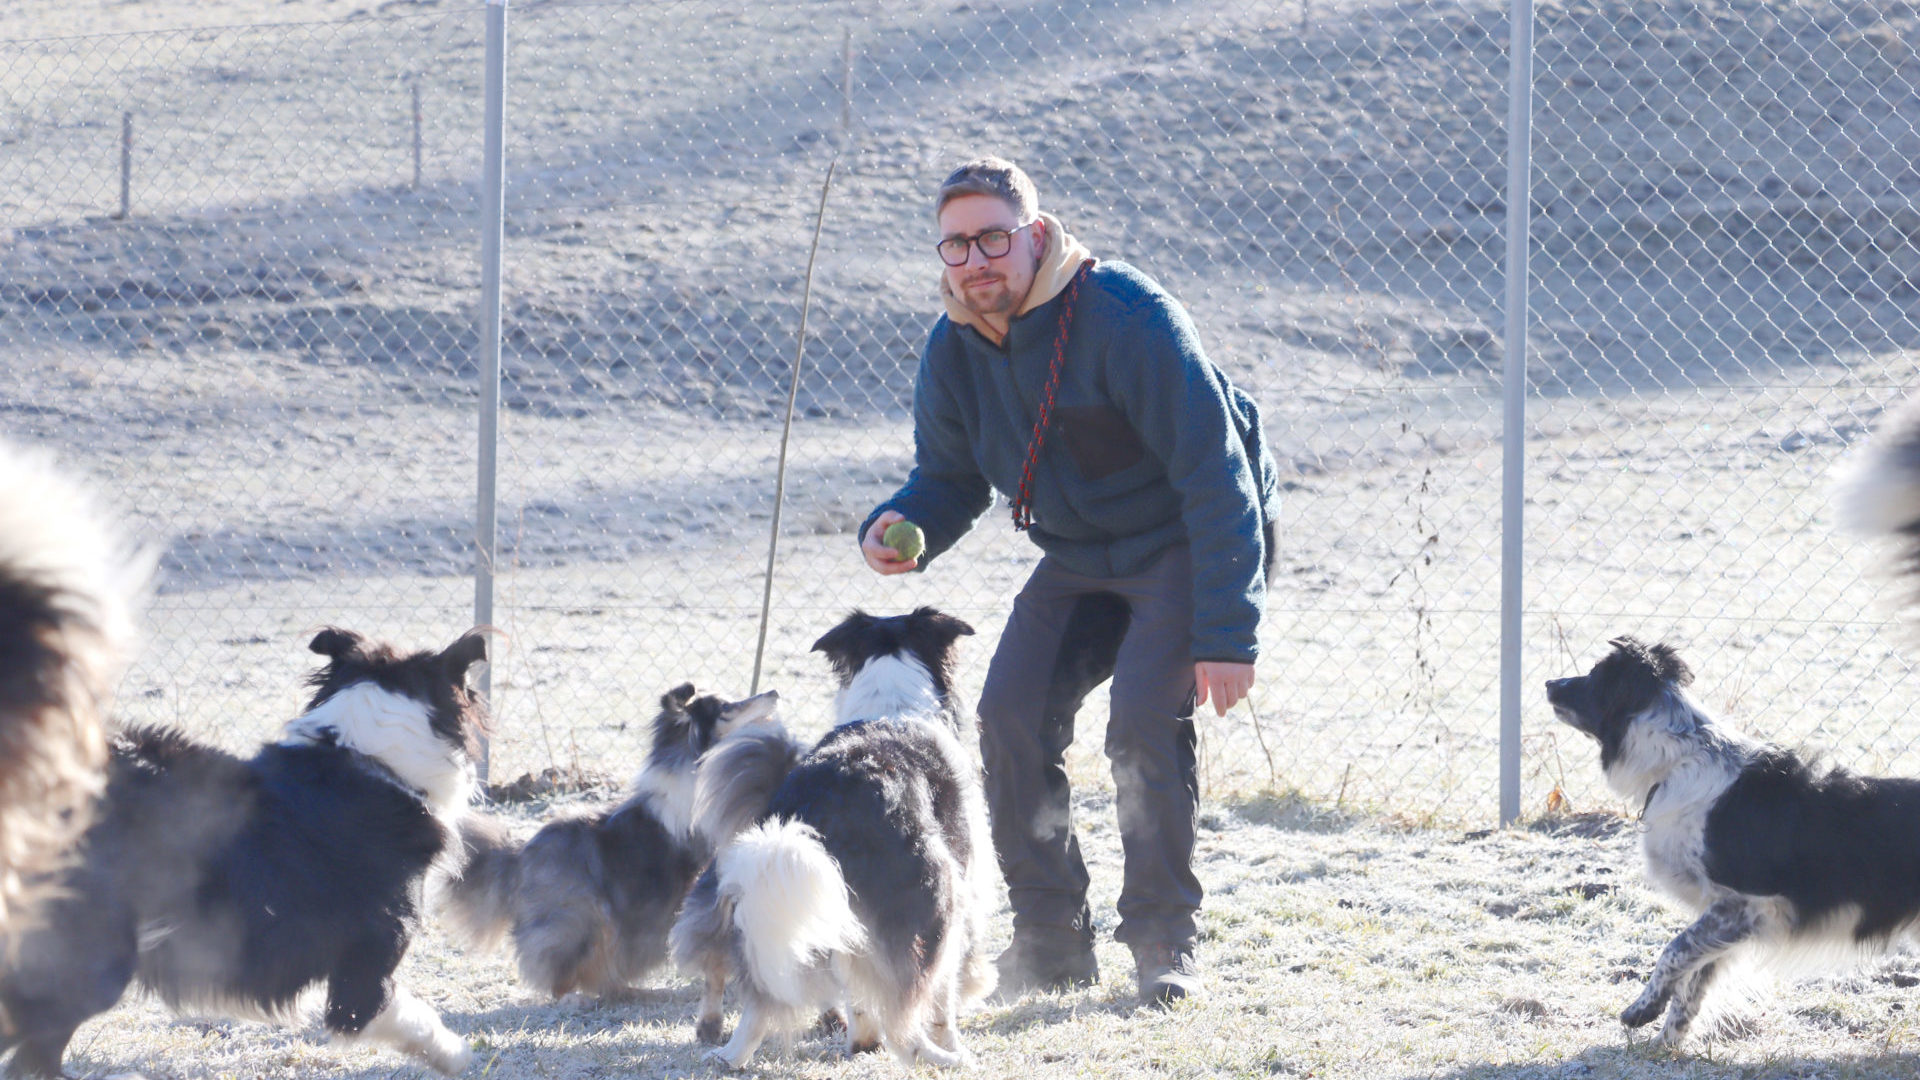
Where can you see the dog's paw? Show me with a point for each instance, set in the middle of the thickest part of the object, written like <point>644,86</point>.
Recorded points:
<point>831,1022</point>
<point>708,1031</point>
<point>718,1056</point>
<point>927,1053</point>
<point>450,1055</point>
<point>1672,1035</point>
<point>1644,1009</point>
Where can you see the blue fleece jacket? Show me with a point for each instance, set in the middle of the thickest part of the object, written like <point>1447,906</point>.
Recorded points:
<point>1150,445</point>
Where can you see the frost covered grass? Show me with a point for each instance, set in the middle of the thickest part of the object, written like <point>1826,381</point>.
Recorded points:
<point>1336,945</point>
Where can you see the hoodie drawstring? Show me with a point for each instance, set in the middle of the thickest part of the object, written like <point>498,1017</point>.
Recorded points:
<point>1023,499</point>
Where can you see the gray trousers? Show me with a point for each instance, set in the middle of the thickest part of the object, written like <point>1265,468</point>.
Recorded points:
<point>1068,634</point>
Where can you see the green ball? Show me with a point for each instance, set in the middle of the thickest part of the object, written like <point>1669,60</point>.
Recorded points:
<point>906,538</point>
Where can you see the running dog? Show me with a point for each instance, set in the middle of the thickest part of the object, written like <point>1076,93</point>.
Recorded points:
<point>233,884</point>
<point>869,874</point>
<point>589,900</point>
<point>1783,860</point>
<point>1780,859</point>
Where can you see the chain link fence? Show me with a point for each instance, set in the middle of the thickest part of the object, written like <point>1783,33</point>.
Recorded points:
<point>241,270</point>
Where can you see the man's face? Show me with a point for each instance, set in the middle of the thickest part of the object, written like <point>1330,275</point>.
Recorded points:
<point>994,287</point>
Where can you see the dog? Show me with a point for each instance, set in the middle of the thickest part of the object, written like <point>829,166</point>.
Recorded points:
<point>588,901</point>
<point>1780,859</point>
<point>867,873</point>
<point>232,884</point>
<point>68,590</point>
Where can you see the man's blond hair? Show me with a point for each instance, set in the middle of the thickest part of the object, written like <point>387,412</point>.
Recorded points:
<point>993,176</point>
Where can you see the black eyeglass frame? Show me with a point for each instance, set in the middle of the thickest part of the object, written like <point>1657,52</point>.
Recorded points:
<point>980,238</point>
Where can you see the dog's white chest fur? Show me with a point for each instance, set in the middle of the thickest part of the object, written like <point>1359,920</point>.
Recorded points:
<point>888,686</point>
<point>669,794</point>
<point>396,731</point>
<point>1674,821</point>
<point>1675,849</point>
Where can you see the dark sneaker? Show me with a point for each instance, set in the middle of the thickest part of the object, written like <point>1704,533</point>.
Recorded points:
<point>1047,958</point>
<point>1166,973</point>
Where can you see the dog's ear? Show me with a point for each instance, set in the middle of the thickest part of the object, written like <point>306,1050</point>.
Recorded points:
<point>456,658</point>
<point>940,624</point>
<point>676,699</point>
<point>335,642</point>
<point>1670,667</point>
<point>1626,643</point>
<point>837,641</point>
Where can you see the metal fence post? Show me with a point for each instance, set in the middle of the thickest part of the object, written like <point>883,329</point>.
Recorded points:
<point>126,166</point>
<point>1514,423</point>
<point>492,231</point>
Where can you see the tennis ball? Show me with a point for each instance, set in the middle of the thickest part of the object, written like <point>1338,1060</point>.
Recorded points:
<point>906,538</point>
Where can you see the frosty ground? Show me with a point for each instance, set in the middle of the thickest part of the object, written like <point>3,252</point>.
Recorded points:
<point>1336,946</point>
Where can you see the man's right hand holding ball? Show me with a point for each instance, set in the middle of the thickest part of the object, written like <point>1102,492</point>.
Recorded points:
<point>874,548</point>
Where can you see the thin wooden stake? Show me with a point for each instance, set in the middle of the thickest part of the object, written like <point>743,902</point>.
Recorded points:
<point>417,139</point>
<point>846,87</point>
<point>786,432</point>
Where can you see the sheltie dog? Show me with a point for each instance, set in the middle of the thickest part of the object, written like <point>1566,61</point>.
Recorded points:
<point>68,588</point>
<point>234,884</point>
<point>588,901</point>
<point>867,873</point>
<point>1783,861</point>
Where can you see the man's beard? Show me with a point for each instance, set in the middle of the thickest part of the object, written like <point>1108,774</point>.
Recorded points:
<point>992,299</point>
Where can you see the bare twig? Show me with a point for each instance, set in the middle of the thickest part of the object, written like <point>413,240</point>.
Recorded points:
<point>1273,773</point>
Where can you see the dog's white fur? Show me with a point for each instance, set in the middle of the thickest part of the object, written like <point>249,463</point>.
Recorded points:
<point>887,688</point>
<point>792,907</point>
<point>396,731</point>
<point>56,541</point>
<point>669,794</point>
<point>412,1027</point>
<point>1676,762</point>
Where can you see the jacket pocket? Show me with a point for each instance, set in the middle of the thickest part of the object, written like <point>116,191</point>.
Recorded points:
<point>1099,440</point>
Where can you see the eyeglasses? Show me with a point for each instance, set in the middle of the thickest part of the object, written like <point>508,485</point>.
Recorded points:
<point>955,250</point>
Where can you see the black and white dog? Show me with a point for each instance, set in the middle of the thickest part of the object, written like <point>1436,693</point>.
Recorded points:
<point>589,899</point>
<point>234,884</point>
<point>1780,859</point>
<point>68,589</point>
<point>868,878</point>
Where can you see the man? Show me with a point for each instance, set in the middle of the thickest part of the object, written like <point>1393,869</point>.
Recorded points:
<point>1144,477</point>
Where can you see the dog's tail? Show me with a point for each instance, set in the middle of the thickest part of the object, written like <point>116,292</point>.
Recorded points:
<point>790,906</point>
<point>1879,492</point>
<point>737,778</point>
<point>68,590</point>
<point>477,904</point>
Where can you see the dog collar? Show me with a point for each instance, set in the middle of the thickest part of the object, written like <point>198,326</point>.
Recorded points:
<point>1651,792</point>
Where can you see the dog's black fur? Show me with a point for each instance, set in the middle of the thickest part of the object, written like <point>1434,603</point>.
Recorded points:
<point>869,878</point>
<point>216,881</point>
<point>588,901</point>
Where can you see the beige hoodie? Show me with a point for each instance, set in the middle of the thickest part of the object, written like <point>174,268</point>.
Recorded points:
<point>1059,261</point>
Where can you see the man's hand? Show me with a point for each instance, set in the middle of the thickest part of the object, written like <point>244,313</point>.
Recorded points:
<point>1222,683</point>
<point>882,558</point>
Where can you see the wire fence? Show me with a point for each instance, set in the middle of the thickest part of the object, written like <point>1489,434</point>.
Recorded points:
<point>241,271</point>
